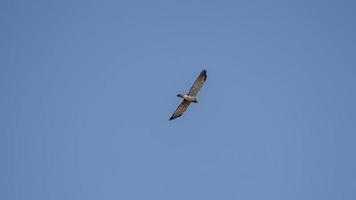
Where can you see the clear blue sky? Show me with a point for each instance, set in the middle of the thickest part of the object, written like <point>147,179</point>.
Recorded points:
<point>87,88</point>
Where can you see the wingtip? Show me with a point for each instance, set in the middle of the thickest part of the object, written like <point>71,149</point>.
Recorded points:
<point>174,117</point>
<point>204,73</point>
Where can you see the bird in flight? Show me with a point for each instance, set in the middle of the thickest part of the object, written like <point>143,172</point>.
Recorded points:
<point>191,97</point>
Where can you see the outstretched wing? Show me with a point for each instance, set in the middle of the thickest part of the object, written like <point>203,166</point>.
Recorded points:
<point>180,110</point>
<point>198,84</point>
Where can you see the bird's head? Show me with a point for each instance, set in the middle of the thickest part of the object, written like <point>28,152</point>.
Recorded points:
<point>180,95</point>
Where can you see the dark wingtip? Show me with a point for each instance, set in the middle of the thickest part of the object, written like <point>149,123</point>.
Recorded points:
<point>174,117</point>
<point>204,73</point>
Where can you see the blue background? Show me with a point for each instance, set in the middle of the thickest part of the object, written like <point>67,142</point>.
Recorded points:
<point>87,88</point>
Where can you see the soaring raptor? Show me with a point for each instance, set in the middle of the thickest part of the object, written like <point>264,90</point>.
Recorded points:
<point>191,97</point>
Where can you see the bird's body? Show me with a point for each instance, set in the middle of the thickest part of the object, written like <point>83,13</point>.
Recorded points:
<point>188,98</point>
<point>191,97</point>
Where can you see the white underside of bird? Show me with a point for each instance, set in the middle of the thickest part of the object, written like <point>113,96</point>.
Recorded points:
<point>188,98</point>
